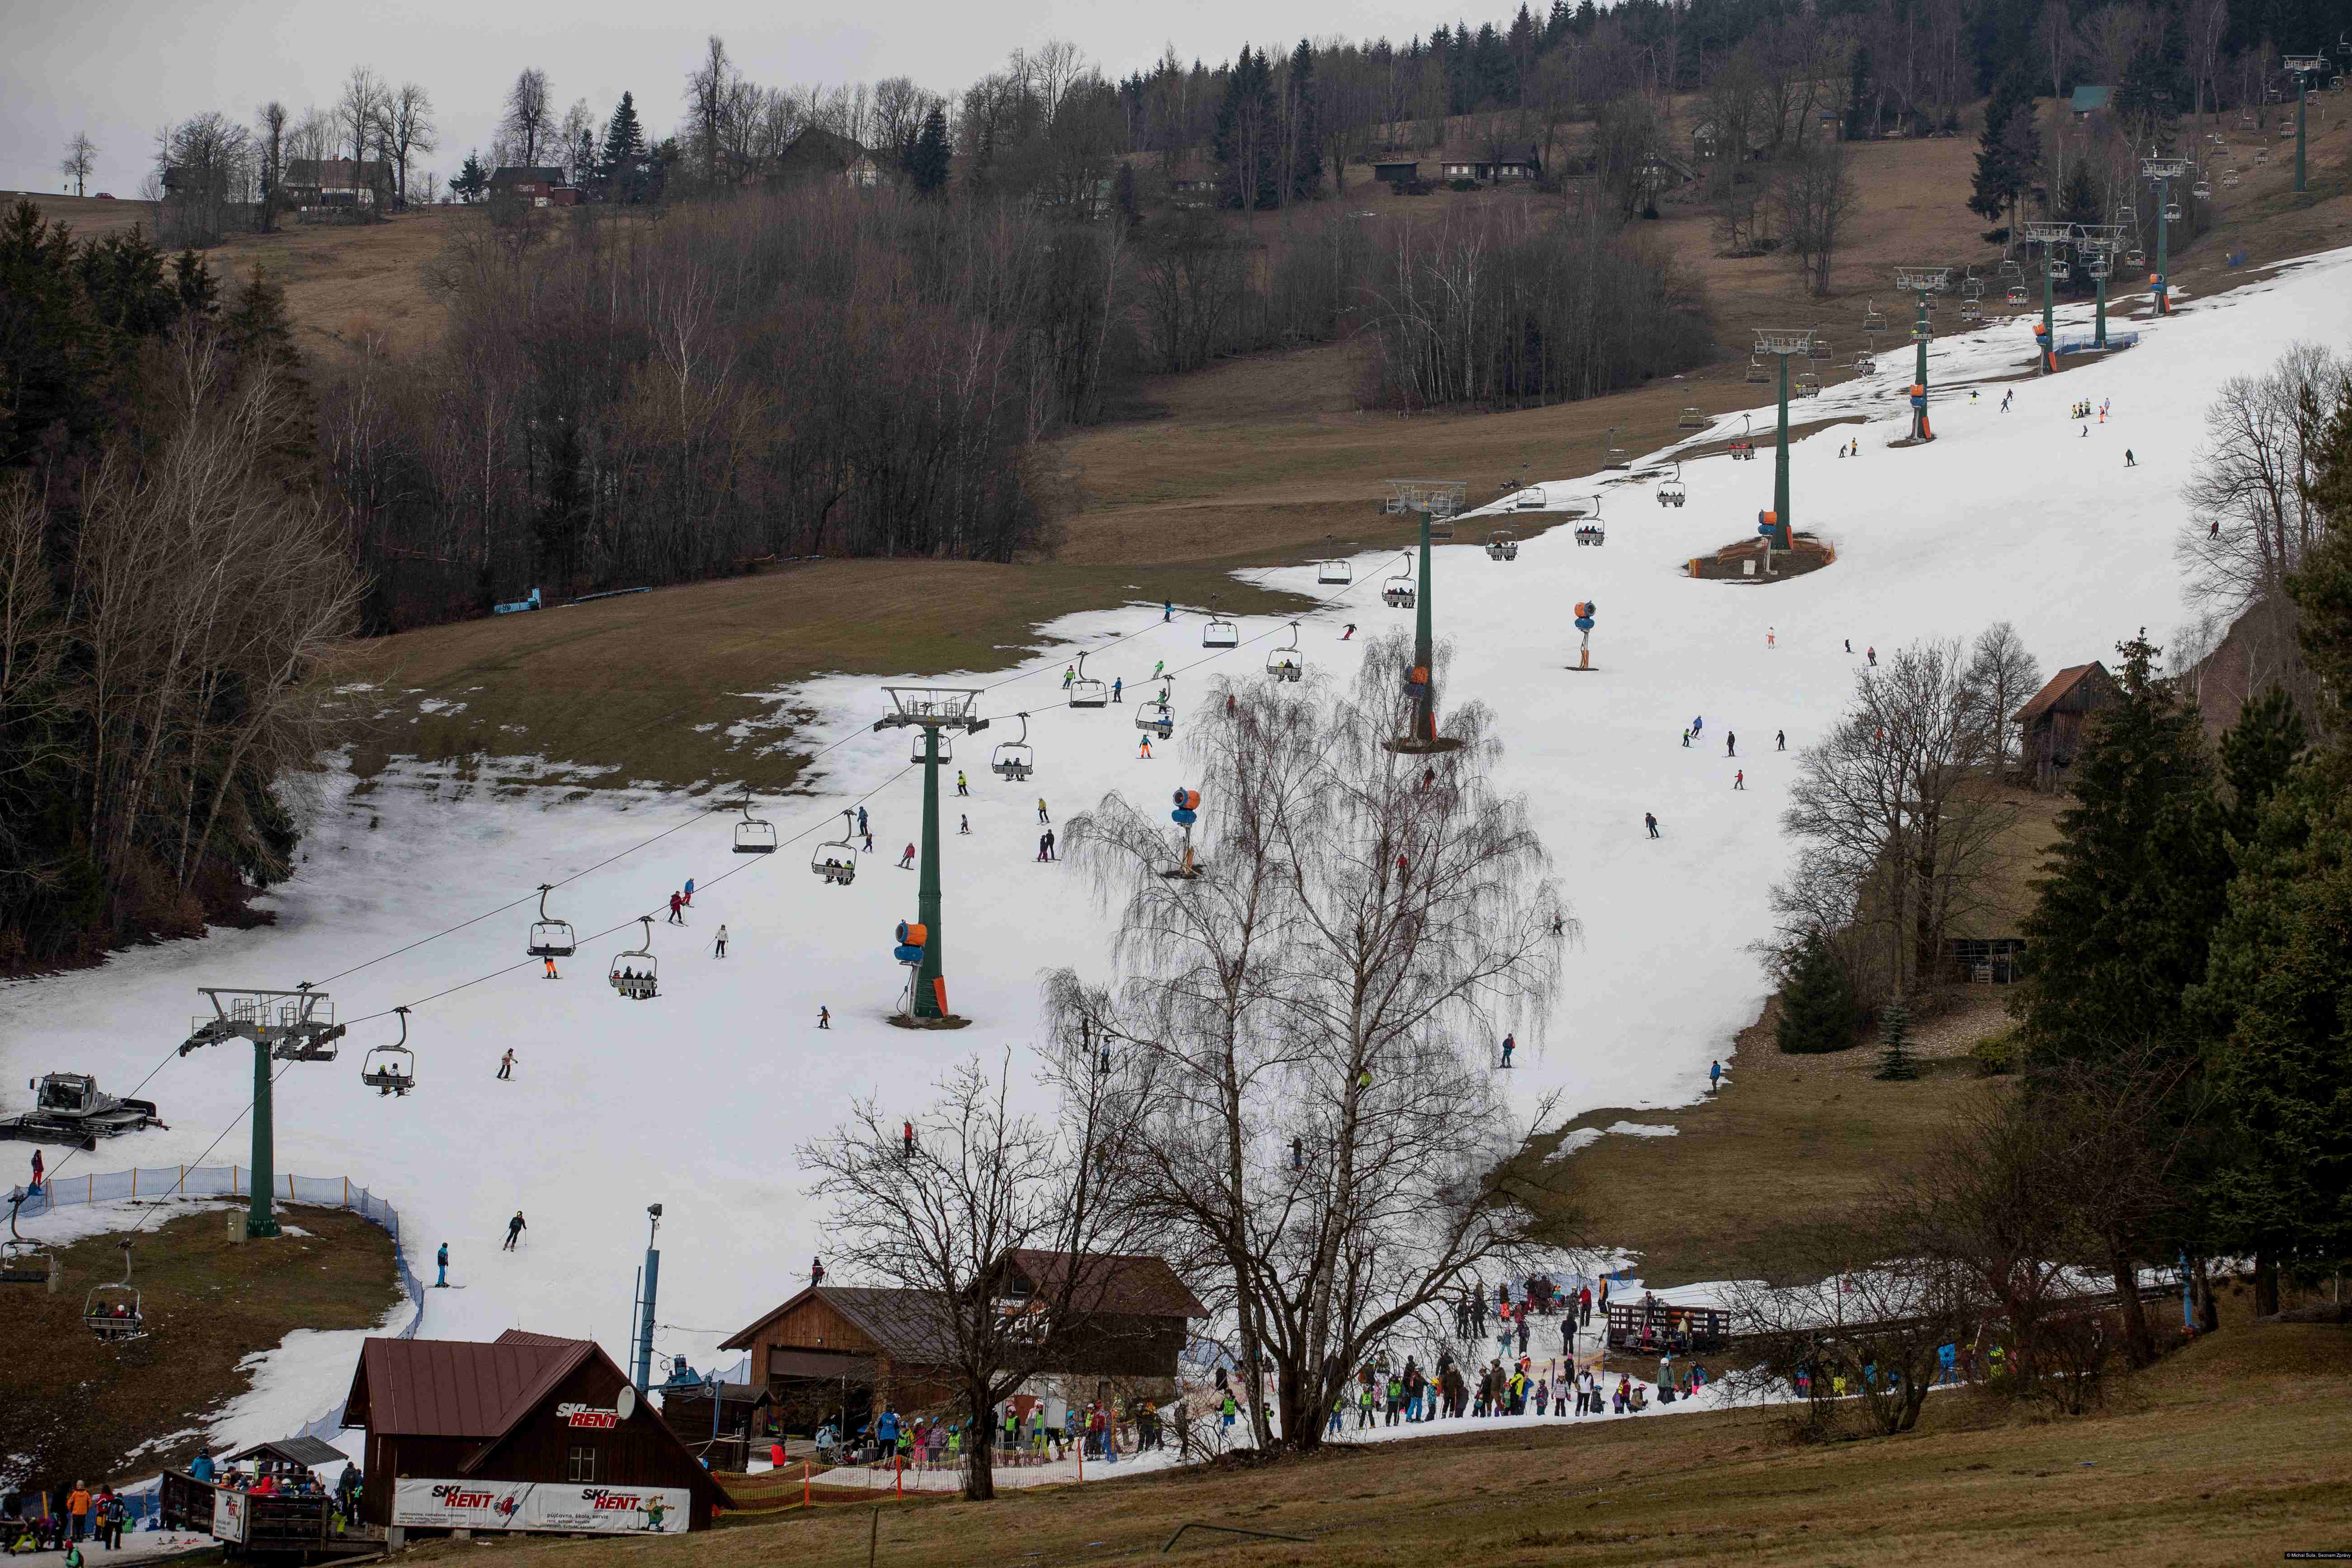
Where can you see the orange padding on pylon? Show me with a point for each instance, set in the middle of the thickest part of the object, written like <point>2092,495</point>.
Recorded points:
<point>939,993</point>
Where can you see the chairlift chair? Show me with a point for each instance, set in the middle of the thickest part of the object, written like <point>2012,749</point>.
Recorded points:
<point>2128,214</point>
<point>1086,693</point>
<point>753,836</point>
<point>1502,546</point>
<point>1672,493</point>
<point>1287,663</point>
<point>1440,527</point>
<point>2173,211</point>
<point>1692,418</point>
<point>637,973</point>
<point>1756,370</point>
<point>1334,571</point>
<point>111,1311</point>
<point>2261,155</point>
<point>2013,271</point>
<point>1809,385</point>
<point>1972,286</point>
<point>916,751</point>
<point>1014,759</point>
<point>1221,634</point>
<point>1532,499</point>
<point>549,937</point>
<point>2229,178</point>
<point>1864,365</point>
<point>1400,592</point>
<point>391,1069</point>
<point>2017,294</point>
<point>836,859</point>
<point>1872,319</point>
<point>2203,190</point>
<point>2136,256</point>
<point>1158,718</point>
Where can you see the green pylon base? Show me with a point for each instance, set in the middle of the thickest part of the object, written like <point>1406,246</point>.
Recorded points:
<point>1900,442</point>
<point>909,1021</point>
<point>260,1230</point>
<point>1409,746</point>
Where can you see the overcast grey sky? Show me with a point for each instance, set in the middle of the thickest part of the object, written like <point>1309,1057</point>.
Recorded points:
<point>119,69</point>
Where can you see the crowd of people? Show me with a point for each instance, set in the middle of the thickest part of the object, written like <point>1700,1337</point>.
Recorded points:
<point>1025,1432</point>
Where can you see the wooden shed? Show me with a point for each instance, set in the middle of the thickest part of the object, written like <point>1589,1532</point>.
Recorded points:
<point>2054,719</point>
<point>527,1432</point>
<point>725,1436</point>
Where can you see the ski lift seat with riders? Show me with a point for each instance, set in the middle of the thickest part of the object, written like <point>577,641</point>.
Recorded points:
<point>1501,545</point>
<point>1399,593</point>
<point>1014,759</point>
<point>635,973</point>
<point>836,859</point>
<point>391,1069</point>
<point>1157,717</point>
<point>754,836</point>
<point>549,937</point>
<point>113,1312</point>
<point>1287,663</point>
<point>1672,492</point>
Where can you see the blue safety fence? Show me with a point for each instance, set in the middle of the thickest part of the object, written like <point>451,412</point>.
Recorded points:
<point>2089,345</point>
<point>164,1182</point>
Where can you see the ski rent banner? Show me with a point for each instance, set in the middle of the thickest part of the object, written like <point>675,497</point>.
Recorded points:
<point>228,1514</point>
<point>535,1505</point>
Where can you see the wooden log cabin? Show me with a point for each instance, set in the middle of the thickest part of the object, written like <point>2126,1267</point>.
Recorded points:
<point>835,1352</point>
<point>2054,721</point>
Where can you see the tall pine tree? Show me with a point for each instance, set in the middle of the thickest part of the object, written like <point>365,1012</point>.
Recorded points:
<point>621,166</point>
<point>2137,881</point>
<point>929,163</point>
<point>1817,1006</point>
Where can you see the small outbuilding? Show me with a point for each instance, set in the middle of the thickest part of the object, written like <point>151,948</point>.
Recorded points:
<point>1396,170</point>
<point>527,1432</point>
<point>2052,722</point>
<point>723,1437</point>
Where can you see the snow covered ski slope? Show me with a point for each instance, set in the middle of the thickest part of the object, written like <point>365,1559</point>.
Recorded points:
<point>699,1098</point>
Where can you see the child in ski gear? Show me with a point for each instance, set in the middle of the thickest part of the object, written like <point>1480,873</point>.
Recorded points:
<point>825,1017</point>
<point>1117,688</point>
<point>1739,779</point>
<point>675,904</point>
<point>907,861</point>
<point>964,821</point>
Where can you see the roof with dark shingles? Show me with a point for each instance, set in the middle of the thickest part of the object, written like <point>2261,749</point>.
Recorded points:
<point>461,1388</point>
<point>2049,696</point>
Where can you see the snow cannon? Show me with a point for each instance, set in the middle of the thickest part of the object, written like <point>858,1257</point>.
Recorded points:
<point>1416,682</point>
<point>2041,341</point>
<point>1188,808</point>
<point>1919,431</point>
<point>1769,525</point>
<point>912,935</point>
<point>1585,611</point>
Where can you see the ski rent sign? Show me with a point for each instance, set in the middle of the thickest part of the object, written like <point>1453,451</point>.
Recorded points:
<point>536,1505</point>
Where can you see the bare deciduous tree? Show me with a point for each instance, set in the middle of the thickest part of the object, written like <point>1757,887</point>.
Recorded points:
<point>1304,1034</point>
<point>1816,196</point>
<point>2251,516</point>
<point>204,164</point>
<point>409,129</point>
<point>271,147</point>
<point>529,116</point>
<point>939,1212</point>
<point>358,115</point>
<point>81,157</point>
<point>2002,673</point>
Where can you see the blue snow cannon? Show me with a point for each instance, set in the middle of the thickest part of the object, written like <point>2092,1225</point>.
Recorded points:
<point>1188,808</point>
<point>1585,611</point>
<point>911,938</point>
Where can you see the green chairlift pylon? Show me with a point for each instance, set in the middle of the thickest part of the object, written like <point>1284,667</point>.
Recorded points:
<point>933,710</point>
<point>1427,498</point>
<point>297,1025</point>
<point>1777,526</point>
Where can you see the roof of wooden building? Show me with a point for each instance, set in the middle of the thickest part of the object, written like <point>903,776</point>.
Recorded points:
<point>2062,686</point>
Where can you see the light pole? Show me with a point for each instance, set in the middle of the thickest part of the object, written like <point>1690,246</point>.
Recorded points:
<point>1428,498</point>
<point>650,1287</point>
<point>2304,68</point>
<point>933,710</point>
<point>1924,282</point>
<point>1777,525</point>
<point>297,1025</point>
<point>2163,172</point>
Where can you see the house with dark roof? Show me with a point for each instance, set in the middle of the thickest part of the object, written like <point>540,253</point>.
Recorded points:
<point>1499,165</point>
<point>840,1351</point>
<point>536,186</point>
<point>334,182</point>
<point>818,153</point>
<point>2054,719</point>
<point>526,1432</point>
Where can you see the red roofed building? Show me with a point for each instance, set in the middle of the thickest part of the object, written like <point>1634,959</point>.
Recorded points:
<point>2054,719</point>
<point>527,1432</point>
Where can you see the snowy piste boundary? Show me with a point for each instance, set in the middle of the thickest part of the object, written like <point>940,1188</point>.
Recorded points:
<point>699,1100</point>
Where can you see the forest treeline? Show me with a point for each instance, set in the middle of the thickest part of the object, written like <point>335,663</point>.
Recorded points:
<point>171,574</point>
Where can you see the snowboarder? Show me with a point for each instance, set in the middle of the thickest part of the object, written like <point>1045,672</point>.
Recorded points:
<point>1348,633</point>
<point>1849,645</point>
<point>1731,742</point>
<point>1117,689</point>
<point>1143,750</point>
<point>1650,819</point>
<point>1510,1044</point>
<point>907,861</point>
<point>825,1017</point>
<point>1159,666</point>
<point>441,1262</point>
<point>719,947</point>
<point>1739,779</point>
<point>506,1065</point>
<point>1713,1076</point>
<point>961,786</point>
<point>2130,461</point>
<point>963,821</point>
<point>1041,810</point>
<point>675,904</point>
<point>515,1227</point>
<point>1780,740</point>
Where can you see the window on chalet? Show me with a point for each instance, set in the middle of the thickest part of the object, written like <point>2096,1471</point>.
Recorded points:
<point>582,1467</point>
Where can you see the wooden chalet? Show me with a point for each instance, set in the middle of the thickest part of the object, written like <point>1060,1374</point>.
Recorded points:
<point>528,1431</point>
<point>2054,719</point>
<point>838,1353</point>
<point>1499,166</point>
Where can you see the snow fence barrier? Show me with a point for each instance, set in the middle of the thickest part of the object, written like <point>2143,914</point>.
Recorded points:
<point>164,1182</point>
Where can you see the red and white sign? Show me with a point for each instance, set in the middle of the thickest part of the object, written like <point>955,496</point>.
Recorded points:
<point>599,1416</point>
<point>228,1514</point>
<point>541,1505</point>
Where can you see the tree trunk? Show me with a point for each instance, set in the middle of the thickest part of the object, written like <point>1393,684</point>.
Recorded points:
<point>2267,1284</point>
<point>2208,1317</point>
<point>978,1458</point>
<point>2139,1343</point>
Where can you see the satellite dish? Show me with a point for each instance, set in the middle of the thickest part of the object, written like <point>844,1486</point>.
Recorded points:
<point>624,1404</point>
